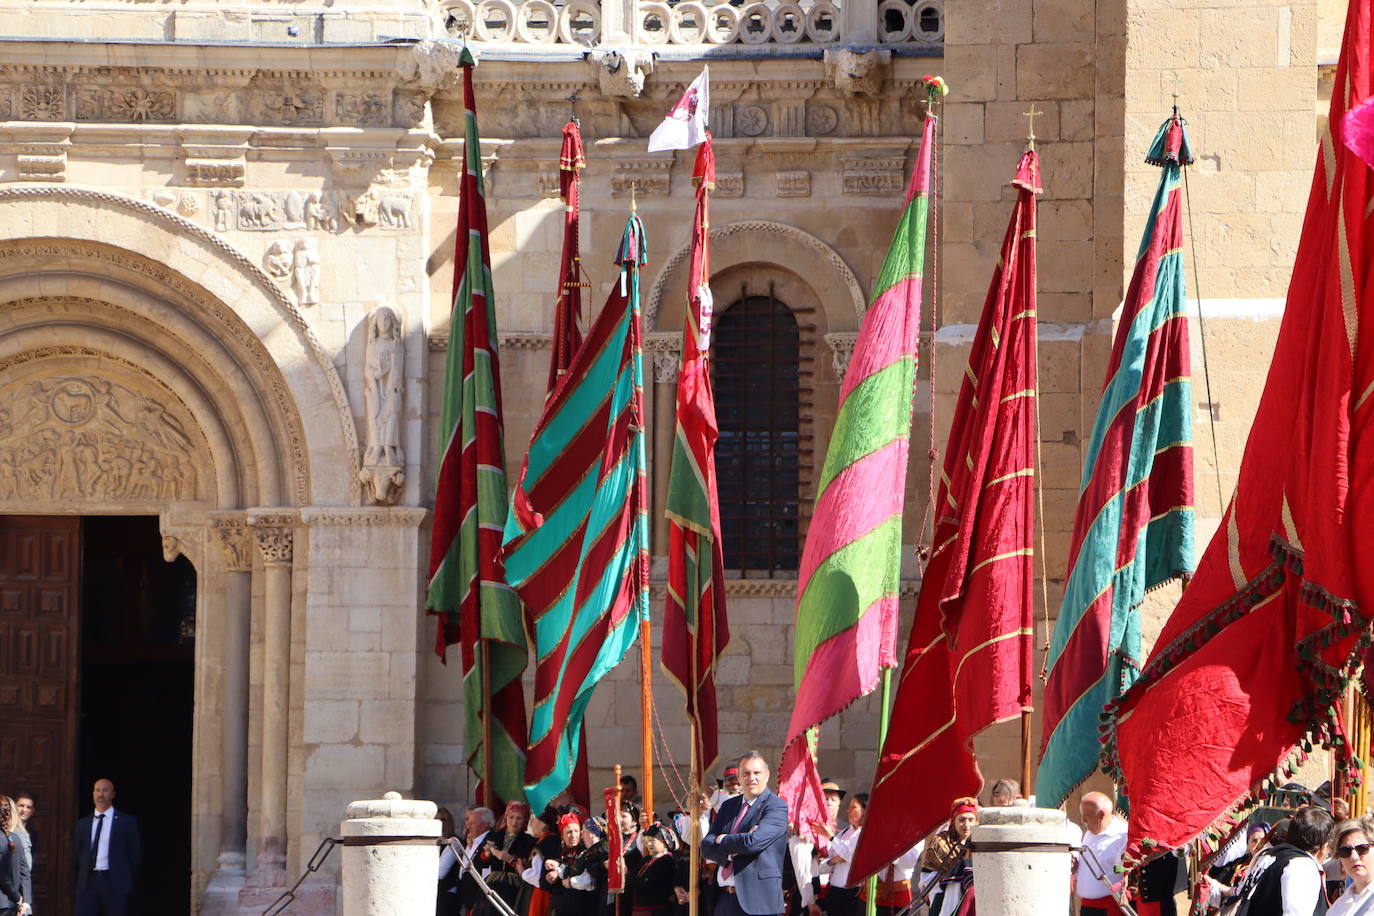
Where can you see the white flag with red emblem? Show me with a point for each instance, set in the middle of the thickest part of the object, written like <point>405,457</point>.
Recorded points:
<point>685,125</point>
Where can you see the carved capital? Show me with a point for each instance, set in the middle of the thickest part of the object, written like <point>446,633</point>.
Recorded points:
<point>666,349</point>
<point>841,349</point>
<point>234,539</point>
<point>274,535</point>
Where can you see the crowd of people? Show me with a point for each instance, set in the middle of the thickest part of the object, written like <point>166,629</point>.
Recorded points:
<point>106,849</point>
<point>753,862</point>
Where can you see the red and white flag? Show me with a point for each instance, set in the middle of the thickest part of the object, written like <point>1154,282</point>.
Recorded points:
<point>685,125</point>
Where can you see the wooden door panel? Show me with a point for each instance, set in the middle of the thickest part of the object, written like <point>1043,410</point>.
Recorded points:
<point>39,582</point>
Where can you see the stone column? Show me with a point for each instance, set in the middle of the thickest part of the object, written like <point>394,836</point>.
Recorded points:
<point>274,537</point>
<point>664,350</point>
<point>234,538</point>
<point>390,857</point>
<point>1021,861</point>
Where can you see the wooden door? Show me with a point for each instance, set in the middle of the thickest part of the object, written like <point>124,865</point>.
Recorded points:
<point>40,564</point>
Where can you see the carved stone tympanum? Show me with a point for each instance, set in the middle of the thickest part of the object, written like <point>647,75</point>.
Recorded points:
<point>383,471</point>
<point>83,437</point>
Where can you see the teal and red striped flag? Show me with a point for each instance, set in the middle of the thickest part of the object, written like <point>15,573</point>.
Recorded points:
<point>695,630</point>
<point>1133,529</point>
<point>467,587</point>
<point>849,577</point>
<point>576,540</point>
<point>969,657</point>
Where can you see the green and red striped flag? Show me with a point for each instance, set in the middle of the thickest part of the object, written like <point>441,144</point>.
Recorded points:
<point>467,586</point>
<point>576,543</point>
<point>695,631</point>
<point>1133,529</point>
<point>849,577</point>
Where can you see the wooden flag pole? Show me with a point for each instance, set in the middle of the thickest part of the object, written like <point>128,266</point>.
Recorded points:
<point>646,699</point>
<point>1025,752</point>
<point>694,842</point>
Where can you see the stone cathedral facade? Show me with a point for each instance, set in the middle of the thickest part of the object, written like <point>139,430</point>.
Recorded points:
<point>226,253</point>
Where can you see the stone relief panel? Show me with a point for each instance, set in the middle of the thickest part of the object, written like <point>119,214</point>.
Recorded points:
<point>132,103</point>
<point>68,436</point>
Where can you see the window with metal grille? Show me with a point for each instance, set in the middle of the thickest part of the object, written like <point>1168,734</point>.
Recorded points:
<point>763,454</point>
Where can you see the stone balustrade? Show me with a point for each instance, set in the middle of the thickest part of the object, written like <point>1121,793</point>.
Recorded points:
<point>771,26</point>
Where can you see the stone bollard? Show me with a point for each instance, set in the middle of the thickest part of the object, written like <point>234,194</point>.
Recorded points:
<point>390,857</point>
<point>1021,861</point>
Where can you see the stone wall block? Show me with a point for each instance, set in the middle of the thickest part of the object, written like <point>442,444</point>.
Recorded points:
<point>1064,220</point>
<point>345,766</point>
<point>962,123</point>
<point>387,722</point>
<point>1064,20</point>
<point>1065,267</point>
<point>1076,119</point>
<point>1057,71</point>
<point>1007,121</point>
<point>1066,170</point>
<point>331,721</point>
<point>1058,365</point>
<point>998,22</point>
<point>977,80</point>
<point>957,225</point>
<point>1237,37</point>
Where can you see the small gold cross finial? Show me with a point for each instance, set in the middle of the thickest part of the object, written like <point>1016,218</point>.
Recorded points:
<point>1031,116</point>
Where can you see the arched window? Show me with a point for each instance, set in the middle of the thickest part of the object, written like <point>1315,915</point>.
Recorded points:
<point>762,455</point>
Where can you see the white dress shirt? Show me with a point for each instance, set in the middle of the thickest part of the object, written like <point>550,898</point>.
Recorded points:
<point>842,847</point>
<point>102,852</point>
<point>1108,847</point>
<point>1350,902</point>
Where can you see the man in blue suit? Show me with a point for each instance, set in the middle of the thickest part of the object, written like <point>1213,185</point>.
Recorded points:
<point>748,839</point>
<point>108,851</point>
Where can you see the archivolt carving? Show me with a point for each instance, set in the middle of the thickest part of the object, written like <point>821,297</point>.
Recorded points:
<point>266,367</point>
<point>65,436</point>
<point>242,263</point>
<point>831,258</point>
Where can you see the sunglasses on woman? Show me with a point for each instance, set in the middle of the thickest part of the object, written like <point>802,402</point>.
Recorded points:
<point>1345,851</point>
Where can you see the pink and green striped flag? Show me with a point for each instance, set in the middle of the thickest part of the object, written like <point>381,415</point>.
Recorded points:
<point>467,586</point>
<point>849,577</point>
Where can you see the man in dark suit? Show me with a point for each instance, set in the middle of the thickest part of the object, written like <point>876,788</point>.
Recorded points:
<point>108,851</point>
<point>748,839</point>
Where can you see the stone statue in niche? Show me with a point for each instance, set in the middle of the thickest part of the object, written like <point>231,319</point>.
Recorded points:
<point>383,471</point>
<point>305,272</point>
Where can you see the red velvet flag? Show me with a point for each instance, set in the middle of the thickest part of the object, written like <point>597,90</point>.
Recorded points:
<point>695,631</point>
<point>1250,668</point>
<point>567,312</point>
<point>968,661</point>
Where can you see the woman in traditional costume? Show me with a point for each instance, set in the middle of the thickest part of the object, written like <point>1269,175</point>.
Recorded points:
<point>503,857</point>
<point>652,885</point>
<point>946,866</point>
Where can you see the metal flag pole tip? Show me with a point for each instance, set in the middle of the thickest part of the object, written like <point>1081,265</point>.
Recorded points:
<point>1030,134</point>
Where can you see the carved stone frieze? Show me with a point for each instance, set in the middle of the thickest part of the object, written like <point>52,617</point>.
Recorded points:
<point>362,109</point>
<point>794,183</point>
<point>128,104</point>
<point>42,102</point>
<point>215,173</point>
<point>87,437</point>
<point>751,120</point>
<point>374,516</point>
<point>6,103</point>
<point>533,340</point>
<point>235,539</point>
<point>286,102</point>
<point>729,184</point>
<point>384,208</point>
<point>873,174</point>
<point>355,168</point>
<point>43,162</point>
<point>821,120</point>
<point>791,119</point>
<point>649,177</point>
